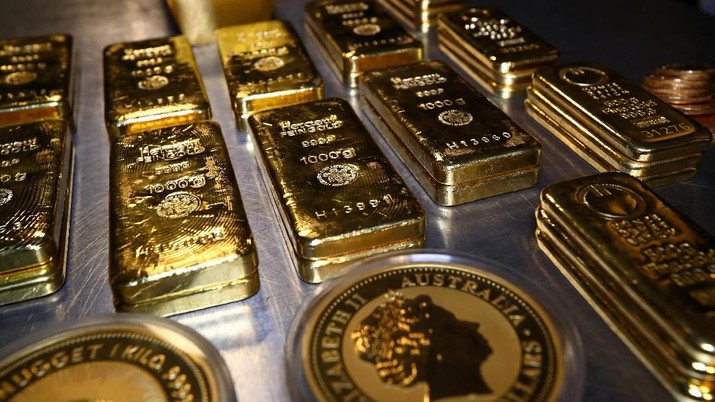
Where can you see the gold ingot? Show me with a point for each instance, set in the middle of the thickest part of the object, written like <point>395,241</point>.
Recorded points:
<point>336,193</point>
<point>266,67</point>
<point>429,113</point>
<point>635,123</point>
<point>199,19</point>
<point>36,80</point>
<point>152,84</point>
<point>359,36</point>
<point>35,196</point>
<point>647,248</point>
<point>420,15</point>
<point>180,240</point>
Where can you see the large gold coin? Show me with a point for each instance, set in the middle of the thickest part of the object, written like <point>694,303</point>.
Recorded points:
<point>417,326</point>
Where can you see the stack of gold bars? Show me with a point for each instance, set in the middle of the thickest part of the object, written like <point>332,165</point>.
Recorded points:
<point>336,194</point>
<point>180,239</point>
<point>420,15</point>
<point>615,125</point>
<point>496,51</point>
<point>459,146</point>
<point>36,161</point>
<point>688,88</point>
<point>645,268</point>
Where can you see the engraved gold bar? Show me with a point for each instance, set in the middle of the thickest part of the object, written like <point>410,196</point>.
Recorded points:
<point>266,67</point>
<point>635,123</point>
<point>180,237</point>
<point>336,193</point>
<point>36,80</point>
<point>152,84</point>
<point>359,36</point>
<point>458,137</point>
<point>420,15</point>
<point>656,254</point>
<point>35,197</point>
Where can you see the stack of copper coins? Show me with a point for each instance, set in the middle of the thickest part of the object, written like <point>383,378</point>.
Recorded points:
<point>420,15</point>
<point>688,88</point>
<point>497,52</point>
<point>644,267</point>
<point>615,125</point>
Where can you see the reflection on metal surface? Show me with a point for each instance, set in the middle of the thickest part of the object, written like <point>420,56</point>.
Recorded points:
<point>420,15</point>
<point>180,238</point>
<point>266,67</point>
<point>152,84</point>
<point>36,79</point>
<point>338,197</point>
<point>459,146</point>
<point>359,36</point>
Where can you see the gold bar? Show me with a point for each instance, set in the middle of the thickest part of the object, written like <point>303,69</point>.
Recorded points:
<point>266,67</point>
<point>35,196</point>
<point>456,135</point>
<point>658,256</point>
<point>336,193</point>
<point>420,15</point>
<point>180,237</point>
<point>637,124</point>
<point>36,79</point>
<point>359,36</point>
<point>152,84</point>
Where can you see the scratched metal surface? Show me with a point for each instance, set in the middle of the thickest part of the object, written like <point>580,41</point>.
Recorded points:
<point>631,36</point>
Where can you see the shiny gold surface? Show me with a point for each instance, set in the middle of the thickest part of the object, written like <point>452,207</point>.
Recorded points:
<point>430,331</point>
<point>266,67</point>
<point>335,191</point>
<point>359,36</point>
<point>152,84</point>
<point>420,15</point>
<point>642,245</point>
<point>494,40</point>
<point>180,240</point>
<point>632,121</point>
<point>198,19</point>
<point>36,79</point>
<point>457,136</point>
<point>35,174</point>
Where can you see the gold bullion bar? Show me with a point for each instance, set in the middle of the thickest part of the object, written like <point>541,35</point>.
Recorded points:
<point>35,186</point>
<point>359,36</point>
<point>336,192</point>
<point>36,79</point>
<point>420,15</point>
<point>636,123</point>
<point>658,255</point>
<point>266,67</point>
<point>152,84</point>
<point>180,238</point>
<point>507,52</point>
<point>455,133</point>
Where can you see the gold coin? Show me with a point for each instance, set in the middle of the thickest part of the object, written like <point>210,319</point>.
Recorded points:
<point>419,327</point>
<point>120,358</point>
<point>687,71</point>
<point>697,108</point>
<point>675,83</point>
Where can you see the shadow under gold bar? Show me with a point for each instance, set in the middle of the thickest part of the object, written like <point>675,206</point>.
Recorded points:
<point>359,36</point>
<point>36,79</point>
<point>152,84</point>
<point>35,197</point>
<point>266,67</point>
<point>635,123</point>
<point>420,15</point>
<point>657,256</point>
<point>337,195</point>
<point>180,240</point>
<point>468,148</point>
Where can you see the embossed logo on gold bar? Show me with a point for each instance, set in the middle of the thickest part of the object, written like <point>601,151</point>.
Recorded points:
<point>612,200</point>
<point>178,205</point>
<point>583,76</point>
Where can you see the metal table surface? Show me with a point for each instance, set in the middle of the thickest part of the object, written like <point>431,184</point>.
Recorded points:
<point>631,36</point>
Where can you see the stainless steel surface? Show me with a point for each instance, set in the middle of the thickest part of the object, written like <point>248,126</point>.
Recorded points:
<point>632,37</point>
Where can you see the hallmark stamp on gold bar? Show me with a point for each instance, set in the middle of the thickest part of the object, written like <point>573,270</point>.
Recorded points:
<point>35,175</point>
<point>359,36</point>
<point>337,195</point>
<point>266,67</point>
<point>36,79</point>
<point>152,84</point>
<point>180,237</point>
